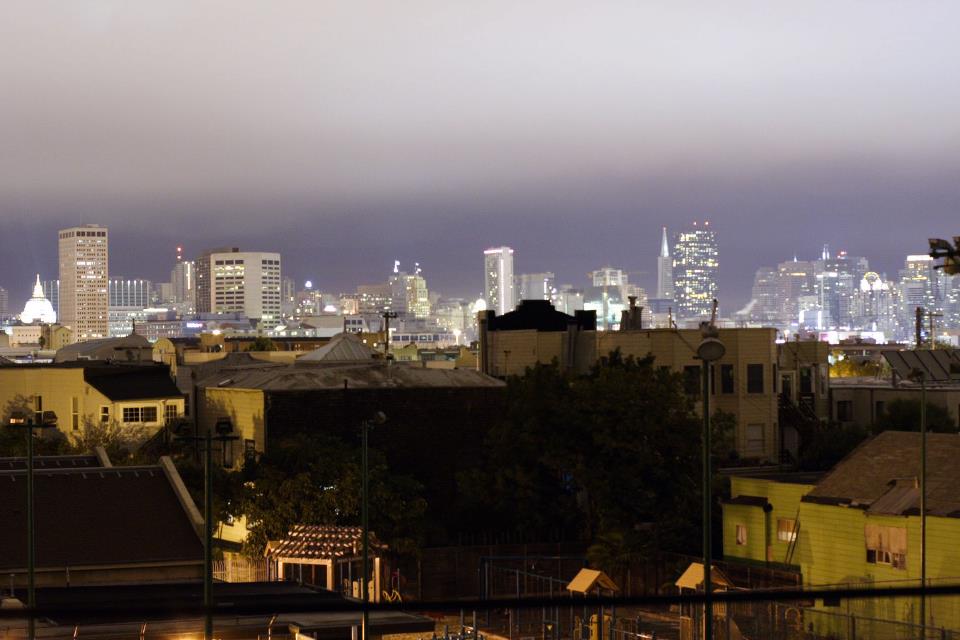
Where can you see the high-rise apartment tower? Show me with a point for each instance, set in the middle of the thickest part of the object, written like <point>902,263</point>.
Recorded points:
<point>498,279</point>
<point>84,296</point>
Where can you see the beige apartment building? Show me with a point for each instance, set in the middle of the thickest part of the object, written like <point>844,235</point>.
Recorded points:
<point>747,382</point>
<point>84,297</point>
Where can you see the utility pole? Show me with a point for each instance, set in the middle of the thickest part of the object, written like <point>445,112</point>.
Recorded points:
<point>386,315</point>
<point>918,327</point>
<point>931,336</point>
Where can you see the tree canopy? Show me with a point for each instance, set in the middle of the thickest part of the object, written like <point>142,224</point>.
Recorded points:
<point>600,455</point>
<point>904,415</point>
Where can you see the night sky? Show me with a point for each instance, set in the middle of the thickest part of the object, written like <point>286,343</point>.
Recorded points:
<point>347,134</point>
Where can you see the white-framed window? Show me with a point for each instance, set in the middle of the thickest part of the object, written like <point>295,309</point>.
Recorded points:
<point>170,413</point>
<point>741,535</point>
<point>786,530</point>
<point>886,545</point>
<point>75,413</point>
<point>104,414</point>
<point>140,414</point>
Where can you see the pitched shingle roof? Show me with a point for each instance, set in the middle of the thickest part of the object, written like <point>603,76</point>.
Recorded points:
<point>96,516</point>
<point>50,462</point>
<point>322,542</point>
<point>318,376</point>
<point>119,382</point>
<point>342,347</point>
<point>879,474</point>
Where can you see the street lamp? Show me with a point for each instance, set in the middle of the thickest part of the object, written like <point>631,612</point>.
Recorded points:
<point>709,350</point>
<point>224,429</point>
<point>22,420</point>
<point>919,376</point>
<point>378,418</point>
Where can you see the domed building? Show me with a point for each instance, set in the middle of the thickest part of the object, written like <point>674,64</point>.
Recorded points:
<point>38,309</point>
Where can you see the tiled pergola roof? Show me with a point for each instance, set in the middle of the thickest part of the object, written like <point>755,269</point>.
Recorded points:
<point>322,542</point>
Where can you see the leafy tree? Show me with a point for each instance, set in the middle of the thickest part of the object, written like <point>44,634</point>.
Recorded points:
<point>614,552</point>
<point>316,479</point>
<point>601,453</point>
<point>121,442</point>
<point>845,366</point>
<point>828,444</point>
<point>904,415</point>
<point>262,343</point>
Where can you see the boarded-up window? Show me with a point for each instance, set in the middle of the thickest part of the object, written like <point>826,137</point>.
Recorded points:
<point>886,545</point>
<point>786,530</point>
<point>741,535</point>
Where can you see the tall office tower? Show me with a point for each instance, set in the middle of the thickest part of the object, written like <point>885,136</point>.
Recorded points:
<point>183,281</point>
<point>130,292</point>
<point>203,275</point>
<point>536,286</point>
<point>288,296</point>
<point>498,279</point>
<point>609,277</point>
<point>408,292</point>
<point>51,290</point>
<point>84,297</point>
<point>664,270</point>
<point>837,279</point>
<point>695,270</point>
<point>872,305</point>
<point>5,301</point>
<point>796,279</point>
<point>246,282</point>
<point>766,305</point>
<point>569,299</point>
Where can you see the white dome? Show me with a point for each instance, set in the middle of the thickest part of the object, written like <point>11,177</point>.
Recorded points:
<point>38,308</point>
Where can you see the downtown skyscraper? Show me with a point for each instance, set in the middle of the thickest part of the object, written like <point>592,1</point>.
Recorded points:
<point>664,270</point>
<point>498,286</point>
<point>84,297</point>
<point>695,271</point>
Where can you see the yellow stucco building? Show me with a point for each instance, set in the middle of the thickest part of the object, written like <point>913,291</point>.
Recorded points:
<point>141,398</point>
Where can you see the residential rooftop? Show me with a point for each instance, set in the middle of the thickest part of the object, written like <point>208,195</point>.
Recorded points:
<point>882,475</point>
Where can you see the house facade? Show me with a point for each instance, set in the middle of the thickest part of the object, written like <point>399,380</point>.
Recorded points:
<point>141,398</point>
<point>859,525</point>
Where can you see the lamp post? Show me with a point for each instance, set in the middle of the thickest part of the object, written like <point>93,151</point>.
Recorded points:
<point>920,377</point>
<point>22,420</point>
<point>378,418</point>
<point>709,350</point>
<point>224,429</point>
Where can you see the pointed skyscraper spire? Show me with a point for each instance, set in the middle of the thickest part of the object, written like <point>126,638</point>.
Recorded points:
<point>664,247</point>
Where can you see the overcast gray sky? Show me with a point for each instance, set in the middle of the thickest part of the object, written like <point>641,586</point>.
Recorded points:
<point>345,134</point>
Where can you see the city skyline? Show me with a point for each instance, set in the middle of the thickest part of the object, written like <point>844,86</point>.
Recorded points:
<point>128,258</point>
<point>556,129</point>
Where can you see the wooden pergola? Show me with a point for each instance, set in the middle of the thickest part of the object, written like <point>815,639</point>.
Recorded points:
<point>331,552</point>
